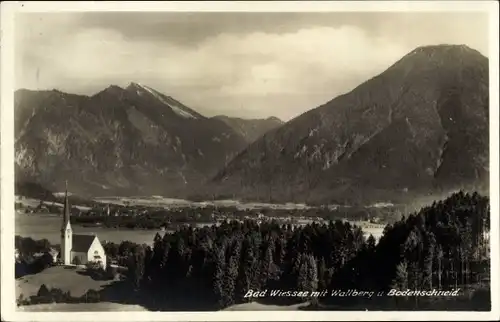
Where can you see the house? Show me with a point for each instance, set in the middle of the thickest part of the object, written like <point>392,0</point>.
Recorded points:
<point>77,249</point>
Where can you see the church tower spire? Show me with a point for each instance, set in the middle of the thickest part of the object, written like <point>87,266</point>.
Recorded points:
<point>66,231</point>
<point>66,209</point>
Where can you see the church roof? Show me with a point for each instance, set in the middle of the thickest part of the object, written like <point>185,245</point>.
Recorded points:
<point>81,243</point>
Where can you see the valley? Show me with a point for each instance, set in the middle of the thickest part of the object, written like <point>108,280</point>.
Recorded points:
<point>385,186</point>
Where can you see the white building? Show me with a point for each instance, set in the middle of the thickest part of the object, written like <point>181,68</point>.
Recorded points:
<point>78,249</point>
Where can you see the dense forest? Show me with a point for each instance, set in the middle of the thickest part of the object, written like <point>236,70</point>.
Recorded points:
<point>441,247</point>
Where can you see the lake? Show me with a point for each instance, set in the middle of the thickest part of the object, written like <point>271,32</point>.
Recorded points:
<point>40,226</point>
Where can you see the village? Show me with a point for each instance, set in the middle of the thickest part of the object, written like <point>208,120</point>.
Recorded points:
<point>168,217</point>
<point>38,262</point>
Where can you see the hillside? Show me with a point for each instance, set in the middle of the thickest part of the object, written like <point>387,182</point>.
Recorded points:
<point>251,129</point>
<point>33,190</point>
<point>420,127</point>
<point>120,141</point>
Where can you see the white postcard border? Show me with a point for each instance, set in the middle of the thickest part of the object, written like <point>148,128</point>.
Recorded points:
<point>8,9</point>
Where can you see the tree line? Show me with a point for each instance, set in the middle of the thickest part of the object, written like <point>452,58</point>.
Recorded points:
<point>441,246</point>
<point>56,295</point>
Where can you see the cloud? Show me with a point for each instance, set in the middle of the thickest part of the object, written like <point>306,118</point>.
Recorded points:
<point>250,74</point>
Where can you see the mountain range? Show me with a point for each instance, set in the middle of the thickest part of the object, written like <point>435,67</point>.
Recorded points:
<point>132,140</point>
<point>420,127</point>
<point>251,129</point>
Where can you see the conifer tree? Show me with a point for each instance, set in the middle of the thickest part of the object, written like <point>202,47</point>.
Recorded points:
<point>245,280</point>
<point>323,280</point>
<point>370,243</point>
<point>218,279</point>
<point>439,260</point>
<point>400,281</point>
<point>428,260</point>
<point>135,272</point>
<point>231,274</point>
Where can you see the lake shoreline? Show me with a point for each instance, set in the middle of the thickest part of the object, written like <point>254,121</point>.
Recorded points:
<point>46,226</point>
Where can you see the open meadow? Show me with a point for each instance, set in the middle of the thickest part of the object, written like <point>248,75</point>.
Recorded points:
<point>254,306</point>
<point>81,307</point>
<point>70,279</point>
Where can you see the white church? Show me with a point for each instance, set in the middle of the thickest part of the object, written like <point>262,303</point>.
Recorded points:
<point>78,249</point>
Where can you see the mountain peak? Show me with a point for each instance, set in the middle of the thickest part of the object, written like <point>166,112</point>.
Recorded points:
<point>134,85</point>
<point>274,119</point>
<point>152,138</point>
<point>176,107</point>
<point>462,47</point>
<point>436,57</point>
<point>250,129</point>
<point>396,135</point>
<point>112,89</point>
<point>444,51</point>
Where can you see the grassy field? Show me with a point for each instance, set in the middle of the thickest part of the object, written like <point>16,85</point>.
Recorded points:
<point>81,307</point>
<point>66,279</point>
<point>254,306</point>
<point>108,306</point>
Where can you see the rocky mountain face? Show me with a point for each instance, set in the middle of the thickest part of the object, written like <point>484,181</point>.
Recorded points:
<point>419,127</point>
<point>131,140</point>
<point>251,129</point>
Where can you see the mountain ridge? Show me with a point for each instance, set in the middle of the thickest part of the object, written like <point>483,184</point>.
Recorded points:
<point>117,138</point>
<point>419,127</point>
<point>418,104</point>
<point>251,129</point>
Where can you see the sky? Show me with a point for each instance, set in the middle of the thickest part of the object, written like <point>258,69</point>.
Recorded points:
<point>250,65</point>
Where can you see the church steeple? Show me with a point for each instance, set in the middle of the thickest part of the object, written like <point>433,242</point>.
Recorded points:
<point>66,210</point>
<point>66,231</point>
